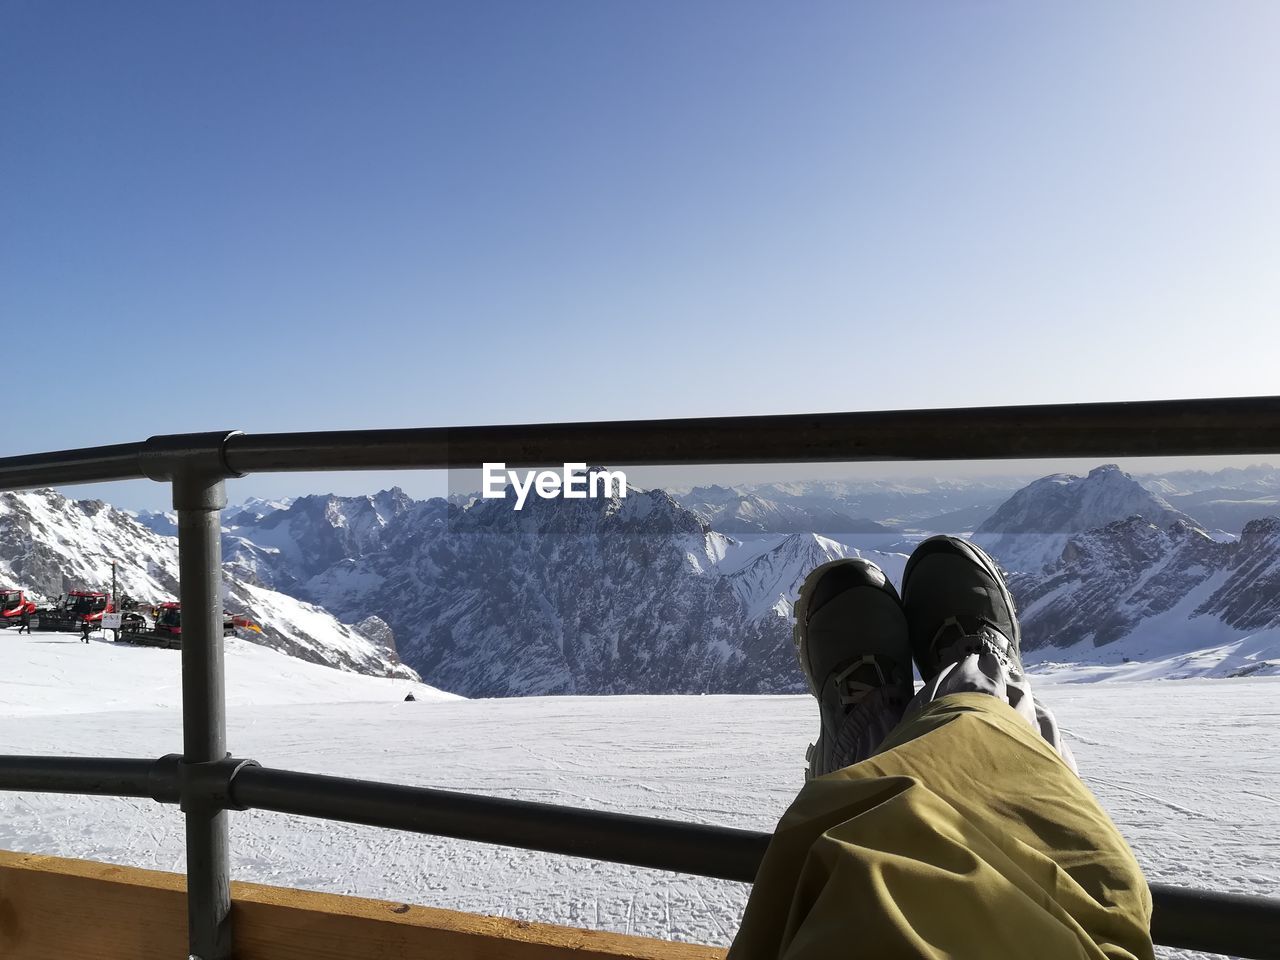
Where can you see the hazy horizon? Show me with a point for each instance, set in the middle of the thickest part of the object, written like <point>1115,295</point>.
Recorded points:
<point>423,484</point>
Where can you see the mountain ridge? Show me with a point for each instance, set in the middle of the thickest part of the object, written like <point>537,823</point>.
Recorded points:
<point>50,544</point>
<point>647,594</point>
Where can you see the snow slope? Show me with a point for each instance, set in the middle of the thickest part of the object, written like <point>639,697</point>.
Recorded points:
<point>50,674</point>
<point>1187,769</point>
<point>1172,657</point>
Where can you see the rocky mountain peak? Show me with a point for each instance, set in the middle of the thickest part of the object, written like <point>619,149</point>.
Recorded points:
<point>713,494</point>
<point>1107,470</point>
<point>1265,529</point>
<point>1031,529</point>
<point>1063,503</point>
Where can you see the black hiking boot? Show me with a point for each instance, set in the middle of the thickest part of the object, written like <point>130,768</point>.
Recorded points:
<point>851,639</point>
<point>956,602</point>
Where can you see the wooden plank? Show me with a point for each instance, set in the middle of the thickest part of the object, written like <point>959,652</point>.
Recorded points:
<point>52,908</point>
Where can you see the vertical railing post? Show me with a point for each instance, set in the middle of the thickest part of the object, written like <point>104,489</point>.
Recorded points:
<point>198,501</point>
<point>196,465</point>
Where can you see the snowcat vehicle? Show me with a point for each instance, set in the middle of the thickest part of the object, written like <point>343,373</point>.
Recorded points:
<point>85,607</point>
<point>131,621</point>
<point>70,612</point>
<point>13,604</point>
<point>167,630</point>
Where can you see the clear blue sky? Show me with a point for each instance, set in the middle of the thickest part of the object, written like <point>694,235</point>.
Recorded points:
<point>410,213</point>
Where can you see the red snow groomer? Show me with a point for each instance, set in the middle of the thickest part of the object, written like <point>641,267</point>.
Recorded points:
<point>167,631</point>
<point>13,604</point>
<point>76,608</point>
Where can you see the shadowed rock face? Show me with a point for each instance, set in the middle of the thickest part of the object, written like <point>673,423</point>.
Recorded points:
<point>1250,598</point>
<point>284,547</point>
<point>617,595</point>
<point>1109,581</point>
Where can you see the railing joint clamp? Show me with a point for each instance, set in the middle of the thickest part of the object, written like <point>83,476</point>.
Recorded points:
<point>197,786</point>
<point>195,463</point>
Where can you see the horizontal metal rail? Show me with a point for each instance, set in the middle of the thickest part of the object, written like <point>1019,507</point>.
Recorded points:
<point>89,776</point>
<point>206,786</point>
<point>708,851</point>
<point>119,461</point>
<point>1243,926</point>
<point>1249,425</point>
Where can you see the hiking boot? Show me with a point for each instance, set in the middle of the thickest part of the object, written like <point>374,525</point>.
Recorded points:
<point>956,603</point>
<point>851,639</point>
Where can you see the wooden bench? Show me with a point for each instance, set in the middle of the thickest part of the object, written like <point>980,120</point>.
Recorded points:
<point>52,908</point>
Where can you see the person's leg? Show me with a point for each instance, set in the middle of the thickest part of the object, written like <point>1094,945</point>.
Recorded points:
<point>966,834</point>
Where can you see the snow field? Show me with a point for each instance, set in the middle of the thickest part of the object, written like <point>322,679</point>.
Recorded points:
<point>1187,769</point>
<point>54,673</point>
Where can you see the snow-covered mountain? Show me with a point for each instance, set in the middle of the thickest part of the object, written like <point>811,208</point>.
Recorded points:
<point>1223,500</point>
<point>644,595</point>
<point>1258,478</point>
<point>1033,526</point>
<point>50,544</point>
<point>163,522</point>
<point>770,581</point>
<point>592,596</point>
<point>1142,591</point>
<point>253,509</point>
<point>621,595</point>
<point>287,545</point>
<point>732,511</point>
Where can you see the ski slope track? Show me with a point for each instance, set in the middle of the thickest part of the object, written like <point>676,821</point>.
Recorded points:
<point>1188,769</point>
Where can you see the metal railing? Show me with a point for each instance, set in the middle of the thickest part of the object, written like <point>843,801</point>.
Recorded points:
<point>208,783</point>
